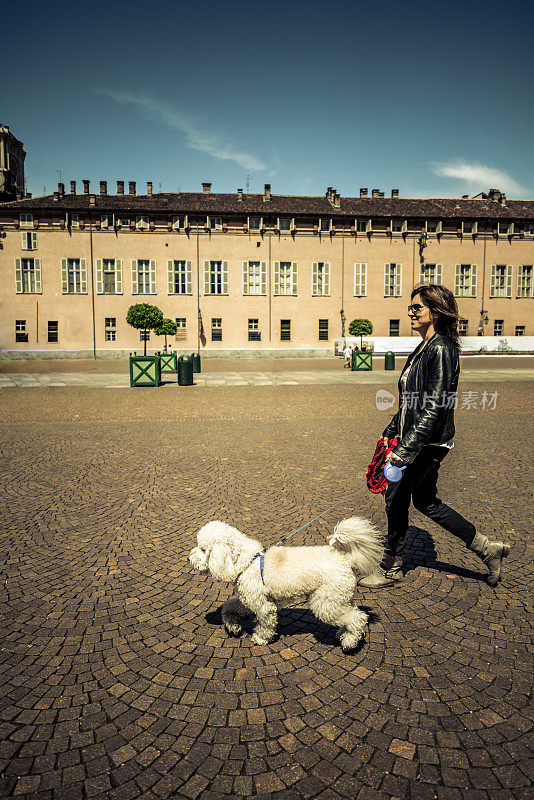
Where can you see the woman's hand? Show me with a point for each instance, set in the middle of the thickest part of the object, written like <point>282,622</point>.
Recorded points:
<point>395,460</point>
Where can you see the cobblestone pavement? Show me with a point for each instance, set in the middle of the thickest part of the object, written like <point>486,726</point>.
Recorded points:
<point>118,680</point>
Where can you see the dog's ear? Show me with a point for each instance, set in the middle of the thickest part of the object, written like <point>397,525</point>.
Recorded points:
<point>220,562</point>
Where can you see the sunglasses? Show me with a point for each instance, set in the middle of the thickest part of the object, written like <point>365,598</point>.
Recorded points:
<point>416,308</point>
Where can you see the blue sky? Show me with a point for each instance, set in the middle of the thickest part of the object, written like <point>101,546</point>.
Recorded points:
<point>434,99</point>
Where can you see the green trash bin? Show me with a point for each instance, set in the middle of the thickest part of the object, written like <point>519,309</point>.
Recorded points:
<point>362,360</point>
<point>196,362</point>
<point>185,371</point>
<point>389,360</point>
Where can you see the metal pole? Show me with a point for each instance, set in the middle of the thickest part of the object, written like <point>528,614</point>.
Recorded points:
<point>198,291</point>
<point>92,283</point>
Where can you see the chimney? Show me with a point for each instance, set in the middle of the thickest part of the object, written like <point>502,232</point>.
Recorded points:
<point>73,187</point>
<point>56,196</point>
<point>364,192</point>
<point>92,199</point>
<point>330,192</point>
<point>493,194</point>
<point>103,187</point>
<point>61,189</point>
<point>240,195</point>
<point>381,194</point>
<point>206,188</point>
<point>375,193</point>
<point>149,187</point>
<point>394,192</point>
<point>131,187</point>
<point>337,200</point>
<point>120,187</point>
<point>465,197</point>
<point>86,187</point>
<point>267,193</point>
<point>502,199</point>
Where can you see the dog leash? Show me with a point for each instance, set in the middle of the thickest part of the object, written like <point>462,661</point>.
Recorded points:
<point>261,554</point>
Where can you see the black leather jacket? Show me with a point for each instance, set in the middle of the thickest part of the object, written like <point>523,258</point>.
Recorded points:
<point>430,398</point>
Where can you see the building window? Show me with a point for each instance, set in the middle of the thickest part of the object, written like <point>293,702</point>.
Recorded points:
<point>179,277</point>
<point>107,221</point>
<point>434,226</point>
<point>360,279</point>
<point>394,327</point>
<point>286,223</point>
<point>462,327</point>
<point>254,277</point>
<point>180,223</point>
<point>28,240</point>
<point>519,330</point>
<point>216,329</point>
<point>111,329</point>
<point>430,273</point>
<point>21,334</point>
<point>321,279</point>
<point>108,276</point>
<point>529,228</point>
<point>73,220</point>
<point>323,330</point>
<point>505,228</point>
<point>501,280</point>
<point>143,276</point>
<point>254,334</point>
<point>123,222</point>
<point>498,327</point>
<point>285,278</point>
<point>325,225</point>
<point>363,225</point>
<point>255,223</point>
<point>142,223</point>
<point>74,275</point>
<point>214,223</point>
<point>525,284</point>
<point>399,225</point>
<point>392,280</point>
<point>215,277</point>
<point>26,220</point>
<point>53,331</point>
<point>28,275</point>
<point>285,330</point>
<point>144,336</point>
<point>181,329</point>
<point>469,228</point>
<point>465,280</point>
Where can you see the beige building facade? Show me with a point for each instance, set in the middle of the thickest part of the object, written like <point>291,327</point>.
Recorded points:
<point>245,274</point>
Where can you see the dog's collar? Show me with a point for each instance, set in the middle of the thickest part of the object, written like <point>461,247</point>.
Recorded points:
<point>259,555</point>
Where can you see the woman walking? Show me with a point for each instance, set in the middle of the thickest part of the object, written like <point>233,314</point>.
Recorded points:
<point>424,427</point>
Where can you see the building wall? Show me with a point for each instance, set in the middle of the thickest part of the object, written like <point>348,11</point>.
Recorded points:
<point>74,312</point>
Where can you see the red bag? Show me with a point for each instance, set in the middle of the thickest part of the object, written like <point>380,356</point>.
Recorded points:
<point>376,481</point>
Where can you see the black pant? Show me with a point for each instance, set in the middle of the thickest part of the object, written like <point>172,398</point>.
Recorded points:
<point>419,484</point>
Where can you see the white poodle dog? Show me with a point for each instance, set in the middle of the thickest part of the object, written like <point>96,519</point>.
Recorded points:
<point>323,575</point>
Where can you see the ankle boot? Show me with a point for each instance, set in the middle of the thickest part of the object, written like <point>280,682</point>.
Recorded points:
<point>492,554</point>
<point>388,574</point>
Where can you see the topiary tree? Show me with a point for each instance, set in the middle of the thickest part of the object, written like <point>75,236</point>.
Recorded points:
<point>144,317</point>
<point>167,328</point>
<point>361,327</point>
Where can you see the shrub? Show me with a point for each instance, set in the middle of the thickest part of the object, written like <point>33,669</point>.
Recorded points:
<point>144,317</point>
<point>361,327</point>
<point>167,328</point>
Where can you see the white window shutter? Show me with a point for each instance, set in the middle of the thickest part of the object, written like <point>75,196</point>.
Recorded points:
<point>135,277</point>
<point>357,279</point>
<point>245,277</point>
<point>18,276</point>
<point>439,272</point>
<point>103,221</point>
<point>23,240</point>
<point>315,278</point>
<point>153,287</point>
<point>327,278</point>
<point>386,280</point>
<point>64,277</point>
<point>398,280</point>
<point>473,280</point>
<point>277,277</point>
<point>363,279</point>
<point>225,277</point>
<point>170,277</point>
<point>518,284</point>
<point>206,277</point>
<point>38,281</point>
<point>83,276</point>
<point>475,227</point>
<point>509,279</point>
<point>263,277</point>
<point>493,280</point>
<point>99,276</point>
<point>294,278</point>
<point>510,229</point>
<point>457,271</point>
<point>118,276</point>
<point>369,226</point>
<point>34,241</point>
<point>188,281</point>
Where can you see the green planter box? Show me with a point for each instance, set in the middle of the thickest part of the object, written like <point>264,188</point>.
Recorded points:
<point>145,371</point>
<point>169,362</point>
<point>361,360</point>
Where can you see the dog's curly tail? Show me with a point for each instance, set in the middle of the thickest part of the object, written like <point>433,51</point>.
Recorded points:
<point>360,542</point>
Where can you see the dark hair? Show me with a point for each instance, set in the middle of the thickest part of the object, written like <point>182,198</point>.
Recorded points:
<point>441,301</point>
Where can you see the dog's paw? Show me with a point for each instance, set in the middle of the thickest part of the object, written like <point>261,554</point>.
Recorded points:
<point>233,628</point>
<point>257,639</point>
<point>349,642</point>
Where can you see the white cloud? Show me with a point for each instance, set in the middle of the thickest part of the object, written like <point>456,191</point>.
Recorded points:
<point>205,141</point>
<point>479,177</point>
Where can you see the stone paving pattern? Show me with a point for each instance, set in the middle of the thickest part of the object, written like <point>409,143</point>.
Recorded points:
<point>118,680</point>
